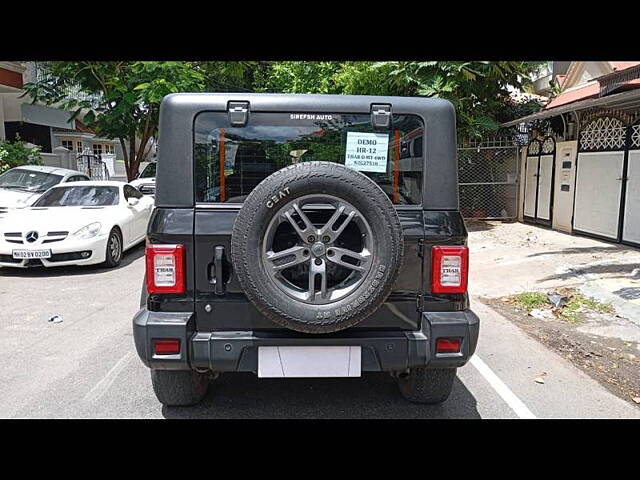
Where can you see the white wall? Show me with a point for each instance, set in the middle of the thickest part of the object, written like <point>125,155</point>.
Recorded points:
<point>42,115</point>
<point>12,110</point>
<point>563,199</point>
<point>51,160</point>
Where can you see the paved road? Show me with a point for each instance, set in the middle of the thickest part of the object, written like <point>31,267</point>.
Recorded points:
<point>86,366</point>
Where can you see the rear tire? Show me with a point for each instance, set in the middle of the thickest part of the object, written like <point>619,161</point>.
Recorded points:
<point>427,385</point>
<point>179,388</point>
<point>113,255</point>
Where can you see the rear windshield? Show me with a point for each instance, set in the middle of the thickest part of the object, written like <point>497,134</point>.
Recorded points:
<point>231,161</point>
<point>79,196</point>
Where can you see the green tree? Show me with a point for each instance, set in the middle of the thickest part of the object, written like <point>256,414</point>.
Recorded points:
<point>237,76</point>
<point>119,100</point>
<point>480,91</point>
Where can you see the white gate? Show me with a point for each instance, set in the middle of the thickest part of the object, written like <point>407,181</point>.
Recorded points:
<point>539,172</point>
<point>607,198</point>
<point>631,225</point>
<point>531,185</point>
<point>545,182</point>
<point>598,193</point>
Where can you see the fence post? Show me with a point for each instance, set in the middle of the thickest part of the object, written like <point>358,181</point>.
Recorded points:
<point>63,155</point>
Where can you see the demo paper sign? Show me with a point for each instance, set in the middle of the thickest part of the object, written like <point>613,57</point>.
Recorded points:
<point>367,152</point>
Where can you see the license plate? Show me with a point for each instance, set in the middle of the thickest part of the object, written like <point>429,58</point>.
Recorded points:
<point>31,253</point>
<point>280,362</point>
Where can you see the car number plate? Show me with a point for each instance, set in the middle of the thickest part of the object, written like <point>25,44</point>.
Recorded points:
<point>31,253</point>
<point>318,361</point>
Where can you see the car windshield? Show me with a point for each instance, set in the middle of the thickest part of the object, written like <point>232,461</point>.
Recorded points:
<point>79,196</point>
<point>28,180</point>
<point>149,171</point>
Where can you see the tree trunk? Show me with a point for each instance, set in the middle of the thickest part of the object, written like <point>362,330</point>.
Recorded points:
<point>125,154</point>
<point>137,156</point>
<point>134,161</point>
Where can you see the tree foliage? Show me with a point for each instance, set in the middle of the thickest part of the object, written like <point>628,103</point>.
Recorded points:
<point>16,153</point>
<point>233,76</point>
<point>119,100</point>
<point>480,91</point>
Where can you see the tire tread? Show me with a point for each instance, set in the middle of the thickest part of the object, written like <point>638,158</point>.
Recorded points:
<point>427,385</point>
<point>278,181</point>
<point>177,388</point>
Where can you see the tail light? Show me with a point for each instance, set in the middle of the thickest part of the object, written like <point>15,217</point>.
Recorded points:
<point>449,269</point>
<point>448,345</point>
<point>165,268</point>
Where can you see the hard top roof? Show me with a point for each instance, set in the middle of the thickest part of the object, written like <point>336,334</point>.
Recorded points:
<point>178,112</point>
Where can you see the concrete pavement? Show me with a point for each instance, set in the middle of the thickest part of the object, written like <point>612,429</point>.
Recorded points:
<point>510,258</point>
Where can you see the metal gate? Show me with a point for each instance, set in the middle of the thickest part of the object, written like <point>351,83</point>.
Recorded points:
<point>539,173</point>
<point>607,198</point>
<point>487,179</point>
<point>631,219</point>
<point>92,165</point>
<point>599,172</point>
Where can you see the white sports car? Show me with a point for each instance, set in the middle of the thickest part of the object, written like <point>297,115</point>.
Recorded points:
<point>21,186</point>
<point>78,223</point>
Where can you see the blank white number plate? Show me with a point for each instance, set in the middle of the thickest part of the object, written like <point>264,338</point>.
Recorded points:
<point>280,362</point>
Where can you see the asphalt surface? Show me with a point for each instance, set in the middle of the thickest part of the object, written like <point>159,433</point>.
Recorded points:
<point>86,366</point>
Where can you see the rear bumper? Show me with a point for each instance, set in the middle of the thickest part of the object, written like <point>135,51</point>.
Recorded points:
<point>237,351</point>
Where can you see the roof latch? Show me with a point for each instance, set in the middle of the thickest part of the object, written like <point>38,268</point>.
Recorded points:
<point>238,113</point>
<point>381,116</point>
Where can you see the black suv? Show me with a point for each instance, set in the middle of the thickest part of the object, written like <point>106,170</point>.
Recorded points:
<point>305,236</point>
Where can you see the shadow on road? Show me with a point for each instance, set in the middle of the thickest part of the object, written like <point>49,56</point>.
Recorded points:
<point>579,250</point>
<point>474,225</point>
<point>624,269</point>
<point>374,395</point>
<point>129,257</point>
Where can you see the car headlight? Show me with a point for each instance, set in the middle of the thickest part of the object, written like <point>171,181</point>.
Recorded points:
<point>89,231</point>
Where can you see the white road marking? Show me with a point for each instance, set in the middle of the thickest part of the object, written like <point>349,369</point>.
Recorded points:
<point>501,388</point>
<point>103,385</point>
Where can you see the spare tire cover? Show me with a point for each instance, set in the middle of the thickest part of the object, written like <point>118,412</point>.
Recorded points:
<point>317,247</point>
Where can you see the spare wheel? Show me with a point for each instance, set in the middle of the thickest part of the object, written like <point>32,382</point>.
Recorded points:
<point>317,247</point>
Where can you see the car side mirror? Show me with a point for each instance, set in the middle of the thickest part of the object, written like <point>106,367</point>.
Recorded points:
<point>132,201</point>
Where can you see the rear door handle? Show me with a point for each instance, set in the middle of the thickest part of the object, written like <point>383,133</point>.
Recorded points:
<point>216,276</point>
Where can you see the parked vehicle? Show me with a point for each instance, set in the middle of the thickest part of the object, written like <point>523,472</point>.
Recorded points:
<point>21,186</point>
<point>82,223</point>
<point>305,236</point>
<point>146,180</point>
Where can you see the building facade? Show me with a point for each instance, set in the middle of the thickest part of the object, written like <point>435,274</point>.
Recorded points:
<point>46,126</point>
<point>580,172</point>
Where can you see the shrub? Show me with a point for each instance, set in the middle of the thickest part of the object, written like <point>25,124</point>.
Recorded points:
<point>15,154</point>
